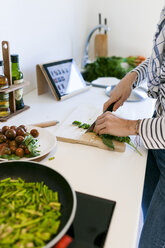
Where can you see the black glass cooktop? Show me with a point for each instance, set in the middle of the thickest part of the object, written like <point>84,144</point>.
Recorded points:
<point>91,222</point>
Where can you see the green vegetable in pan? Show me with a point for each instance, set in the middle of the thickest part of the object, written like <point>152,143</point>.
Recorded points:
<point>29,214</point>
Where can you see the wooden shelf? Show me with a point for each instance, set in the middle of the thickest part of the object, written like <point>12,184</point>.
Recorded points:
<point>12,88</point>
<point>2,119</point>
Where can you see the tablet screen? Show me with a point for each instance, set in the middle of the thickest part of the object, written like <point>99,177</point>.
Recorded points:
<point>65,77</point>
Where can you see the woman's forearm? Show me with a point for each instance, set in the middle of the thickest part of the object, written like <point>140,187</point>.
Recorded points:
<point>131,77</point>
<point>141,71</point>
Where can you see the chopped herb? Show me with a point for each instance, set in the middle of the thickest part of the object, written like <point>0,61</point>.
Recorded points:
<point>84,126</point>
<point>108,139</point>
<point>51,158</point>
<point>81,125</point>
<point>77,123</point>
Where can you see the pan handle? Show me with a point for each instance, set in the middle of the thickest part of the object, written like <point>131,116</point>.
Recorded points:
<point>64,242</point>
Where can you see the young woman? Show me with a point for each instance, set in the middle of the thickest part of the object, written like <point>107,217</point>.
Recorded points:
<point>152,133</point>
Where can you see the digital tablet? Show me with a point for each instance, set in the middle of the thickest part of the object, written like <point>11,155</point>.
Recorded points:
<point>65,78</point>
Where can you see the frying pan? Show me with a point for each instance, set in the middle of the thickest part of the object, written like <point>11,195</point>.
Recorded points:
<point>36,172</point>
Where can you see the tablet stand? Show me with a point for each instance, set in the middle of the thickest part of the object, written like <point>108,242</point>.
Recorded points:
<point>43,82</point>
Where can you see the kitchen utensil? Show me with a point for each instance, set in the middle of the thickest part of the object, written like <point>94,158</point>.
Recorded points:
<point>101,43</point>
<point>105,22</point>
<point>91,139</point>
<point>35,172</point>
<point>110,108</point>
<point>67,132</point>
<point>46,124</point>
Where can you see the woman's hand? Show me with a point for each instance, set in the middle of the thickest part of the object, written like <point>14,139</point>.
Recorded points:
<point>109,123</point>
<point>121,92</point>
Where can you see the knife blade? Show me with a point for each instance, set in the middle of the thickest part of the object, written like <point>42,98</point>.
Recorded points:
<point>110,108</point>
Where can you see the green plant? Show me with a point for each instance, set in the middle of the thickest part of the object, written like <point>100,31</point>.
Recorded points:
<point>106,67</point>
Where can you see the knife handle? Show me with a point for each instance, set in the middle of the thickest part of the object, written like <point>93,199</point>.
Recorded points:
<point>99,22</point>
<point>110,108</point>
<point>46,124</point>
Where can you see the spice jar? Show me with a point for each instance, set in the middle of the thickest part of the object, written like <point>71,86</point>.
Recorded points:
<point>4,97</point>
<point>4,104</point>
<point>3,79</point>
<point>3,82</point>
<point>1,67</point>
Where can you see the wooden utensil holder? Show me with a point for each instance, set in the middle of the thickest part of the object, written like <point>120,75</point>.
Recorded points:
<point>12,88</point>
<point>101,45</point>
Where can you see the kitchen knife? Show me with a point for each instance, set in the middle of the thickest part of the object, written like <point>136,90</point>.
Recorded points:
<point>110,108</point>
<point>99,22</point>
<point>105,22</point>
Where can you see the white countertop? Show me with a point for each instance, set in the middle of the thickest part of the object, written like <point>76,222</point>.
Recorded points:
<point>111,175</point>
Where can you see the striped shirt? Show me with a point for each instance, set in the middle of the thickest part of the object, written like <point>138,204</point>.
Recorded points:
<point>152,130</point>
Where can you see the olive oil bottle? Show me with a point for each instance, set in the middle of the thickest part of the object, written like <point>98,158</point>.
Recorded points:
<point>17,78</point>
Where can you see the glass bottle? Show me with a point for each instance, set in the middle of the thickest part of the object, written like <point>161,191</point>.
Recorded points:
<point>4,104</point>
<point>4,97</point>
<point>3,80</point>
<point>1,68</point>
<point>17,78</point>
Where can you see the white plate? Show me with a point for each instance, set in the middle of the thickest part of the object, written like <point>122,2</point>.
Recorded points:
<point>105,81</point>
<point>46,143</point>
<point>138,94</point>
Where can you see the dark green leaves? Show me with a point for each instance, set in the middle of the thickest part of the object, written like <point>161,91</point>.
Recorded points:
<point>31,144</point>
<point>107,141</point>
<point>105,67</point>
<point>107,138</point>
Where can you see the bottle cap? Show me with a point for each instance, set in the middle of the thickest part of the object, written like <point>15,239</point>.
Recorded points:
<point>14,58</point>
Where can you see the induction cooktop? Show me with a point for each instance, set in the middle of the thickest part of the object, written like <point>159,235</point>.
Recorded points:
<point>91,222</point>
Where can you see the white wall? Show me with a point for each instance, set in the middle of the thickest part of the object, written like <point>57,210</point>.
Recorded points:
<point>43,30</point>
<point>48,30</point>
<point>132,24</point>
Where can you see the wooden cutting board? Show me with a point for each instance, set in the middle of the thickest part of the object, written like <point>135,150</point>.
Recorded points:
<point>67,132</point>
<point>101,45</point>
